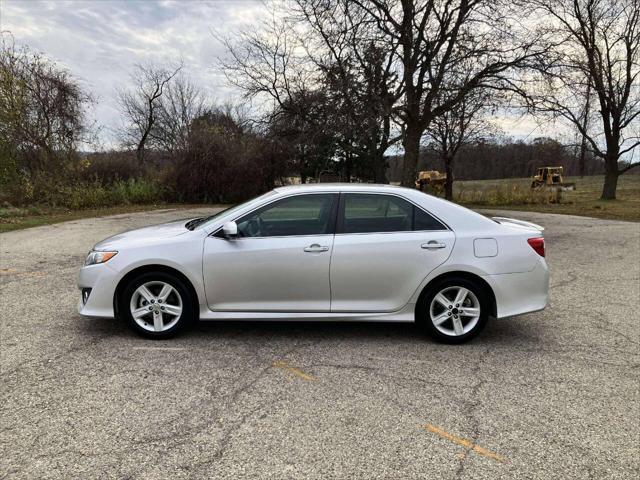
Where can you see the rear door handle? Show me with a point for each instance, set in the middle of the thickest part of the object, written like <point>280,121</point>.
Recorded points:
<point>315,248</point>
<point>433,245</point>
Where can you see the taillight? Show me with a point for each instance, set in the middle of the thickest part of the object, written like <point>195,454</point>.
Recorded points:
<point>537,244</point>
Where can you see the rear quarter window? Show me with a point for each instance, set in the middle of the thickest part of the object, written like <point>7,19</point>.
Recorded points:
<point>423,221</point>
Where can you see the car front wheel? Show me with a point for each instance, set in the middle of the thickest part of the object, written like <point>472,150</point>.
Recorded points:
<point>157,305</point>
<point>454,310</point>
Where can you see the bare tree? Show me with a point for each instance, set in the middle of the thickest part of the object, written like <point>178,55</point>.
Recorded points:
<point>267,61</point>
<point>357,66</point>
<point>181,103</point>
<point>598,50</point>
<point>270,63</point>
<point>464,124</point>
<point>437,41</point>
<point>142,103</point>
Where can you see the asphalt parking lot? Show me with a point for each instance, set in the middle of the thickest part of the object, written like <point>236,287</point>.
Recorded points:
<point>554,394</point>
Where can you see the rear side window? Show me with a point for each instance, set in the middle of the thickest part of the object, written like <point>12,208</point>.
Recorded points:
<point>373,213</point>
<point>311,214</point>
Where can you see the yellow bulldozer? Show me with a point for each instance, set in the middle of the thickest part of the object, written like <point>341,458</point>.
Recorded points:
<point>431,179</point>
<point>550,178</point>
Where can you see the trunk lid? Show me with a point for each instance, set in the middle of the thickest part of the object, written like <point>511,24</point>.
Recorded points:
<point>519,224</point>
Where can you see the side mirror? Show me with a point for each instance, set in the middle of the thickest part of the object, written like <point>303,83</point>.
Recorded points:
<point>230,230</point>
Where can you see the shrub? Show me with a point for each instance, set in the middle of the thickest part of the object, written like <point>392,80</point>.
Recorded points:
<point>110,167</point>
<point>96,195</point>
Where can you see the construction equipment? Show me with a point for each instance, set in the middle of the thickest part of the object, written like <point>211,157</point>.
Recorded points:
<point>431,178</point>
<point>550,178</point>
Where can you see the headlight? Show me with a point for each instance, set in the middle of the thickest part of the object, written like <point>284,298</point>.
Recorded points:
<point>98,257</point>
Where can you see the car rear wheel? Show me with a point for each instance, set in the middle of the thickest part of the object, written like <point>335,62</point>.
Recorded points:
<point>454,310</point>
<point>157,305</point>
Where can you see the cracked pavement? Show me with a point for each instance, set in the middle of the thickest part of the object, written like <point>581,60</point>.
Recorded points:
<point>556,393</point>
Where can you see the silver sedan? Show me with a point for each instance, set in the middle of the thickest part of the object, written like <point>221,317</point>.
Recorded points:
<point>322,252</point>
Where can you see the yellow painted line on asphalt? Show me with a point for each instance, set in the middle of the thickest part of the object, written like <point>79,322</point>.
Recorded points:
<point>465,443</point>
<point>296,371</point>
<point>18,273</point>
<point>38,274</point>
<point>8,271</point>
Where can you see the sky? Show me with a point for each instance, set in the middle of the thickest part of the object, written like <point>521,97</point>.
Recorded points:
<point>100,41</point>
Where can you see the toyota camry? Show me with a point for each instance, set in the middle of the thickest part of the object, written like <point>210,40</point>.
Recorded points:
<point>322,252</point>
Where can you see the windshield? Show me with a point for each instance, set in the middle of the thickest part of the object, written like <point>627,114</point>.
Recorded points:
<point>202,221</point>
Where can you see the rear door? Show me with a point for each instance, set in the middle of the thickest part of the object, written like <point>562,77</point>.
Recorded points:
<point>384,247</point>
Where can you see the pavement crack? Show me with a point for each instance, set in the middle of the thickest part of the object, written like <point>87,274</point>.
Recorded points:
<point>230,400</point>
<point>470,408</point>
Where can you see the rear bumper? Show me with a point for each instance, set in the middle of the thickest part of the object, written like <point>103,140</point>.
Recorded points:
<point>102,280</point>
<point>518,293</point>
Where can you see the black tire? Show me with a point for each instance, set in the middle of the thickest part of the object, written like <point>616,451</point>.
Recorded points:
<point>185,319</point>
<point>423,317</point>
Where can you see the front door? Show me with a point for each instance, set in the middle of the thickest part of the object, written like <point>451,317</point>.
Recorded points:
<point>280,260</point>
<point>384,248</point>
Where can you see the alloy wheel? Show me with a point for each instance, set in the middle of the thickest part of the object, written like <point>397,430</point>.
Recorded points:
<point>454,311</point>
<point>156,306</point>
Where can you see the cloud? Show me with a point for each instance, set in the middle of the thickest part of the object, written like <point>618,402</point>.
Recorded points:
<point>99,41</point>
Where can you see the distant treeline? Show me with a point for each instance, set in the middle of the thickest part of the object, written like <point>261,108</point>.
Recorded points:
<point>503,159</point>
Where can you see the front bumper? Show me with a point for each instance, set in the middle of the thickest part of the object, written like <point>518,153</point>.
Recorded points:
<point>518,293</point>
<point>102,280</point>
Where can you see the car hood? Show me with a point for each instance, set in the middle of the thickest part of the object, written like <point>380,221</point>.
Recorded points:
<point>143,236</point>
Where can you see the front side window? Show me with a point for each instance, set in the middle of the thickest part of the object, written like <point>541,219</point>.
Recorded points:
<point>300,215</point>
<point>373,213</point>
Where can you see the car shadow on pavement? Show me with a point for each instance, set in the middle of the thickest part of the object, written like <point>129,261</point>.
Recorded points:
<point>506,331</point>
<point>307,330</point>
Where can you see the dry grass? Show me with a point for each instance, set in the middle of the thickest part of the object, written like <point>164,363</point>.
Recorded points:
<point>515,194</point>
<point>505,194</point>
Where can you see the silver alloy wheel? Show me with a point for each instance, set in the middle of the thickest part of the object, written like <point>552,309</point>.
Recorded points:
<point>454,311</point>
<point>156,306</point>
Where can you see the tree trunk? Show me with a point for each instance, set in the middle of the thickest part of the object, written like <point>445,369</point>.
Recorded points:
<point>379,166</point>
<point>583,155</point>
<point>610,186</point>
<point>140,153</point>
<point>347,168</point>
<point>610,177</point>
<point>583,145</point>
<point>411,144</point>
<point>448,183</point>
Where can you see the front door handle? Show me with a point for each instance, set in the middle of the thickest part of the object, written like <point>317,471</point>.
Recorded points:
<point>315,248</point>
<point>433,245</point>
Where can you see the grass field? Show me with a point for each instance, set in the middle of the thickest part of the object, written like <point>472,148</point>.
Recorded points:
<point>504,194</point>
<point>515,194</point>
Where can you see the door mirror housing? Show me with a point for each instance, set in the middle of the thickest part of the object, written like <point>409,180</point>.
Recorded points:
<point>230,230</point>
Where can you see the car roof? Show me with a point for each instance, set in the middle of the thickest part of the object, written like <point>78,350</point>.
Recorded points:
<point>332,187</point>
